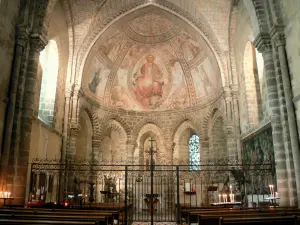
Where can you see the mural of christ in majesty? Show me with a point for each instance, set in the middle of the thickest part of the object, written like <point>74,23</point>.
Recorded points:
<point>148,83</point>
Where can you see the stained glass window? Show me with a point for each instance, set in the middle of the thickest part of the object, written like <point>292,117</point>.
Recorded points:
<point>194,147</point>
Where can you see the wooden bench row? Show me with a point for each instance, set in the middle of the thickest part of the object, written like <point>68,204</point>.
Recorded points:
<point>207,217</point>
<point>42,216</point>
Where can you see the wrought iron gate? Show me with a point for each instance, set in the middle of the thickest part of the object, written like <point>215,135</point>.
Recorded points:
<point>146,194</point>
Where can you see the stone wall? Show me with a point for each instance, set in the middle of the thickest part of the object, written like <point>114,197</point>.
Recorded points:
<point>8,20</point>
<point>291,19</point>
<point>46,142</point>
<point>171,129</point>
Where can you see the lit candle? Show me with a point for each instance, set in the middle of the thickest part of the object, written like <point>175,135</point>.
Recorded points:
<point>5,194</point>
<point>230,189</point>
<point>1,194</point>
<point>233,198</point>
<point>219,197</point>
<point>8,194</point>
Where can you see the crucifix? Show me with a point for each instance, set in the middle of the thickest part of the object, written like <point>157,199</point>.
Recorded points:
<point>151,198</point>
<point>151,151</point>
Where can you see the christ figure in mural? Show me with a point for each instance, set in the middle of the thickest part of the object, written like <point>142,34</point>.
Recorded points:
<point>148,83</point>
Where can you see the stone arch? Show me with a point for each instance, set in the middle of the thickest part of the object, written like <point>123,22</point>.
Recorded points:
<point>217,138</point>
<point>180,139</point>
<point>260,13</point>
<point>199,25</point>
<point>180,120</point>
<point>84,138</point>
<point>137,128</point>
<point>90,111</point>
<point>112,116</point>
<point>251,84</point>
<point>148,130</point>
<point>114,131</point>
<point>217,106</point>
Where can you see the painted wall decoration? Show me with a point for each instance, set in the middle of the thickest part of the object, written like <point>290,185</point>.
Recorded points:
<point>98,75</point>
<point>259,148</point>
<point>113,45</point>
<point>205,79</point>
<point>188,45</point>
<point>149,62</point>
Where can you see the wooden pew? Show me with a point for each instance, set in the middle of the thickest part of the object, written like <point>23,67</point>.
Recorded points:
<point>278,220</point>
<point>209,217</point>
<point>42,222</point>
<point>102,217</point>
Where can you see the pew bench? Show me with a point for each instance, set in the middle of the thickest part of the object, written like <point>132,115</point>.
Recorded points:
<point>278,220</point>
<point>206,217</point>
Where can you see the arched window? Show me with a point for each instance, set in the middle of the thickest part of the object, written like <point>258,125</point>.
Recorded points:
<point>49,64</point>
<point>194,148</point>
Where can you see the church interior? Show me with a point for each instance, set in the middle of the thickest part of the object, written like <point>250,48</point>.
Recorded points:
<point>150,107</point>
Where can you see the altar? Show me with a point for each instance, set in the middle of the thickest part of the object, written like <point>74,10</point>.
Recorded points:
<point>155,201</point>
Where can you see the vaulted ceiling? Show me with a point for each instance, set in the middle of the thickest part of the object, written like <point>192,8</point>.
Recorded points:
<point>188,37</point>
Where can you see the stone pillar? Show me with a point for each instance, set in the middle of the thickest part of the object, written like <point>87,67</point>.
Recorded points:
<point>229,126</point>
<point>279,41</point>
<point>66,123</point>
<point>130,147</point>
<point>73,126</point>
<point>21,42</point>
<point>73,134</point>
<point>168,156</point>
<point>236,117</point>
<point>263,44</point>
<point>96,142</point>
<point>204,150</point>
<point>37,44</point>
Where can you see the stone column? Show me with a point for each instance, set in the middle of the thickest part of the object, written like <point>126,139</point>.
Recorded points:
<point>73,134</point>
<point>66,123</point>
<point>236,117</point>
<point>263,44</point>
<point>130,147</point>
<point>37,44</point>
<point>96,142</point>
<point>204,150</point>
<point>229,126</point>
<point>21,42</point>
<point>279,41</point>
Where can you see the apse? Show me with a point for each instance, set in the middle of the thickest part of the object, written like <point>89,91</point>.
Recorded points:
<point>151,60</point>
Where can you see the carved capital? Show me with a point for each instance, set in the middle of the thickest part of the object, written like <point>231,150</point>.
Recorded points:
<point>74,131</point>
<point>131,142</point>
<point>170,146</point>
<point>263,43</point>
<point>229,129</point>
<point>277,35</point>
<point>37,42</point>
<point>96,143</point>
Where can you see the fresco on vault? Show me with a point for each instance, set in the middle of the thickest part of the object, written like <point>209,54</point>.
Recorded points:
<point>151,24</point>
<point>113,46</point>
<point>98,75</point>
<point>148,83</point>
<point>205,79</point>
<point>188,45</point>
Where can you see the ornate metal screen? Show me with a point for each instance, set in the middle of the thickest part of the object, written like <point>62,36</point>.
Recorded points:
<point>150,195</point>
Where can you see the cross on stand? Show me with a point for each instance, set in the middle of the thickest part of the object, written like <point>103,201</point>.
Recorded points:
<point>151,196</point>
